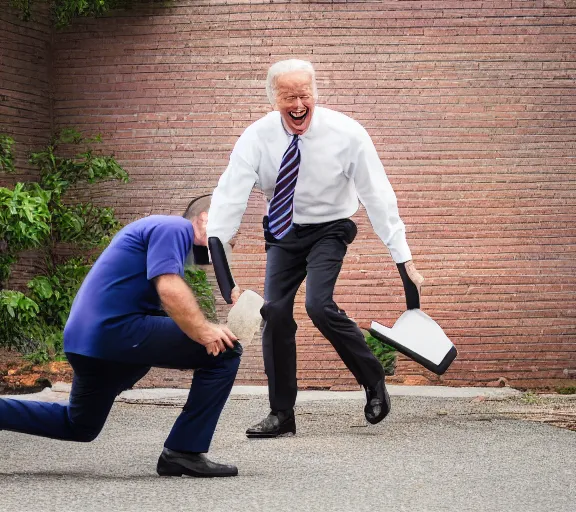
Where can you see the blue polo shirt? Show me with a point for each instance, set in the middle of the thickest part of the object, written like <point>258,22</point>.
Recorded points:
<point>107,314</point>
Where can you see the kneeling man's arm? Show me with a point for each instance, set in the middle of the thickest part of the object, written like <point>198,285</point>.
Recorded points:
<point>179,302</point>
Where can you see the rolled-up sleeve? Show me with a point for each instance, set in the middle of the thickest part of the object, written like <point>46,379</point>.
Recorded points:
<point>376,194</point>
<point>230,198</point>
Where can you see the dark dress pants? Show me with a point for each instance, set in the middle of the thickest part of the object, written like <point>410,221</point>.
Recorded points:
<point>97,382</point>
<point>314,252</point>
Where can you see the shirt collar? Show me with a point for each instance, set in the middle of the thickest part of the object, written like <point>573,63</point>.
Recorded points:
<point>313,125</point>
<point>288,134</point>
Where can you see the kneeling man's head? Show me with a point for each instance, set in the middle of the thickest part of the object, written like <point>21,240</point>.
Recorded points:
<point>197,214</point>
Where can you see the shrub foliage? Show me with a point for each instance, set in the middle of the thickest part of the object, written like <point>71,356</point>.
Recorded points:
<point>63,11</point>
<point>35,215</point>
<point>384,353</point>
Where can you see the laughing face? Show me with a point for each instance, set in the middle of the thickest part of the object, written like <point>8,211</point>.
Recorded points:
<point>295,100</point>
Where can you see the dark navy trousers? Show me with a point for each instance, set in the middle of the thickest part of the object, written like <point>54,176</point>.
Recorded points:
<point>97,382</point>
<point>314,252</point>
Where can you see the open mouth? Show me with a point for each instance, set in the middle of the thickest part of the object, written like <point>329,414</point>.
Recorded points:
<point>298,115</point>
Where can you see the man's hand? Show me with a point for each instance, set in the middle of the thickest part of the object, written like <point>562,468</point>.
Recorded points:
<point>412,282</point>
<point>216,338</point>
<point>179,302</point>
<point>414,276</point>
<point>235,294</point>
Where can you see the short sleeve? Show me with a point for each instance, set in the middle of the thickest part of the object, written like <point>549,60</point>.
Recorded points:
<point>169,243</point>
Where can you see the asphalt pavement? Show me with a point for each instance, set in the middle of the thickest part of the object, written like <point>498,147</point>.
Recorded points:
<point>437,451</point>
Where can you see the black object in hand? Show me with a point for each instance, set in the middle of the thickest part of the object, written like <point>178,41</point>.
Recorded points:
<point>410,289</point>
<point>221,268</point>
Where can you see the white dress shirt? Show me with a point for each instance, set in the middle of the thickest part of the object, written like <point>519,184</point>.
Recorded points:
<point>339,165</point>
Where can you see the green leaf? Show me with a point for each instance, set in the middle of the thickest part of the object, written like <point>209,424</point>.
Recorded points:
<point>42,287</point>
<point>36,214</point>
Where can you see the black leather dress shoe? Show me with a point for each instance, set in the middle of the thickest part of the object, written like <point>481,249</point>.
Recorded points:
<point>377,402</point>
<point>173,463</point>
<point>274,425</point>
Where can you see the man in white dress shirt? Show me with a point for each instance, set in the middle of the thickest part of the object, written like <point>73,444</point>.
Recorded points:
<point>313,164</point>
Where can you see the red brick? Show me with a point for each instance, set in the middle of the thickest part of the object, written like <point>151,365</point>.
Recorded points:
<point>469,105</point>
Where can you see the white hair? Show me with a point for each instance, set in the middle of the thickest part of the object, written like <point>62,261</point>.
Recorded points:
<point>288,66</point>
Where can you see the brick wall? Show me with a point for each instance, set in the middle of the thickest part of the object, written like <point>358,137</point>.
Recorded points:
<point>25,103</point>
<point>470,104</point>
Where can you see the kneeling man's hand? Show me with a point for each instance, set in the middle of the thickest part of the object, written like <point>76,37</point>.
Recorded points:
<point>179,302</point>
<point>216,338</point>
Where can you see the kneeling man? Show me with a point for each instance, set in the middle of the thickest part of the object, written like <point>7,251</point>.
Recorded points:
<point>117,330</point>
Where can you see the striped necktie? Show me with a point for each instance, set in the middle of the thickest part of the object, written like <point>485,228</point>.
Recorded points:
<point>281,206</point>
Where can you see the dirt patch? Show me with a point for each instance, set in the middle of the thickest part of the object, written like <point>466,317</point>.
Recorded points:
<point>567,421</point>
<point>18,376</point>
<point>556,410</point>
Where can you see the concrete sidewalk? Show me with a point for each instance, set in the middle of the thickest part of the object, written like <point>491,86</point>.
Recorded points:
<point>61,390</point>
<point>431,454</point>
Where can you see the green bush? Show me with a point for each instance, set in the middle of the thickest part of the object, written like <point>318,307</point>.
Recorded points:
<point>54,293</point>
<point>18,313</point>
<point>63,11</point>
<point>198,281</point>
<point>384,353</point>
<point>6,156</point>
<point>24,216</point>
<point>41,343</point>
<point>6,261</point>
<point>36,215</point>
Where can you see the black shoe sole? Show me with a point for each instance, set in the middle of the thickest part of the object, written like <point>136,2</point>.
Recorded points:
<point>286,430</point>
<point>171,469</point>
<point>263,435</point>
